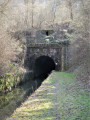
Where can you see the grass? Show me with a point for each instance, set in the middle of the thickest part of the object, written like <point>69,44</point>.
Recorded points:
<point>73,99</point>
<point>60,97</point>
<point>39,106</point>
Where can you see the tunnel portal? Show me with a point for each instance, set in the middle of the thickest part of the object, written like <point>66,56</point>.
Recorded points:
<point>43,66</point>
<point>34,51</point>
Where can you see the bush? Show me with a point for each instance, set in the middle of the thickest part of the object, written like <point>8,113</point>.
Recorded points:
<point>6,51</point>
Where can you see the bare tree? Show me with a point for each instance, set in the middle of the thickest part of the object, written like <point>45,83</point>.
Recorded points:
<point>70,2</point>
<point>29,11</point>
<point>3,6</point>
<point>86,16</point>
<point>26,12</point>
<point>32,13</point>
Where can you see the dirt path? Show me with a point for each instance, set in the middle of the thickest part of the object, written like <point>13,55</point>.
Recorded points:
<point>60,97</point>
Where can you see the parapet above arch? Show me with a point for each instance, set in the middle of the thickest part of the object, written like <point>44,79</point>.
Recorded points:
<point>36,45</point>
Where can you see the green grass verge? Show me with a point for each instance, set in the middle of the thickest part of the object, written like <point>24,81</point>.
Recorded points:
<point>72,98</point>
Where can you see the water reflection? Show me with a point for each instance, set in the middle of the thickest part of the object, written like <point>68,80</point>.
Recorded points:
<point>10,101</point>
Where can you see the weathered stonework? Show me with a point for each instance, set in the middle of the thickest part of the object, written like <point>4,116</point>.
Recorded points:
<point>36,50</point>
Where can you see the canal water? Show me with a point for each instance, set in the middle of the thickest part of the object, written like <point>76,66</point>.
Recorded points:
<point>10,101</point>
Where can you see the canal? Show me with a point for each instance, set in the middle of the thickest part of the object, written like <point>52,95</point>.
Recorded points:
<point>11,100</point>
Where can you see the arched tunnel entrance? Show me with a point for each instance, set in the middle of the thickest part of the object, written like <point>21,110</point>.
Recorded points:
<point>43,67</point>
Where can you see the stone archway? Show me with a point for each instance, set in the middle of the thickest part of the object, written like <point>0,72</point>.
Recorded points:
<point>36,50</point>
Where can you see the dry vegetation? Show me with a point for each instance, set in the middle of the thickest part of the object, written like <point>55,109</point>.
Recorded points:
<point>23,15</point>
<point>6,51</point>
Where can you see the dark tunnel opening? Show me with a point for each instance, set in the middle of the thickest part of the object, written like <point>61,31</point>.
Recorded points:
<point>43,67</point>
<point>47,33</point>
